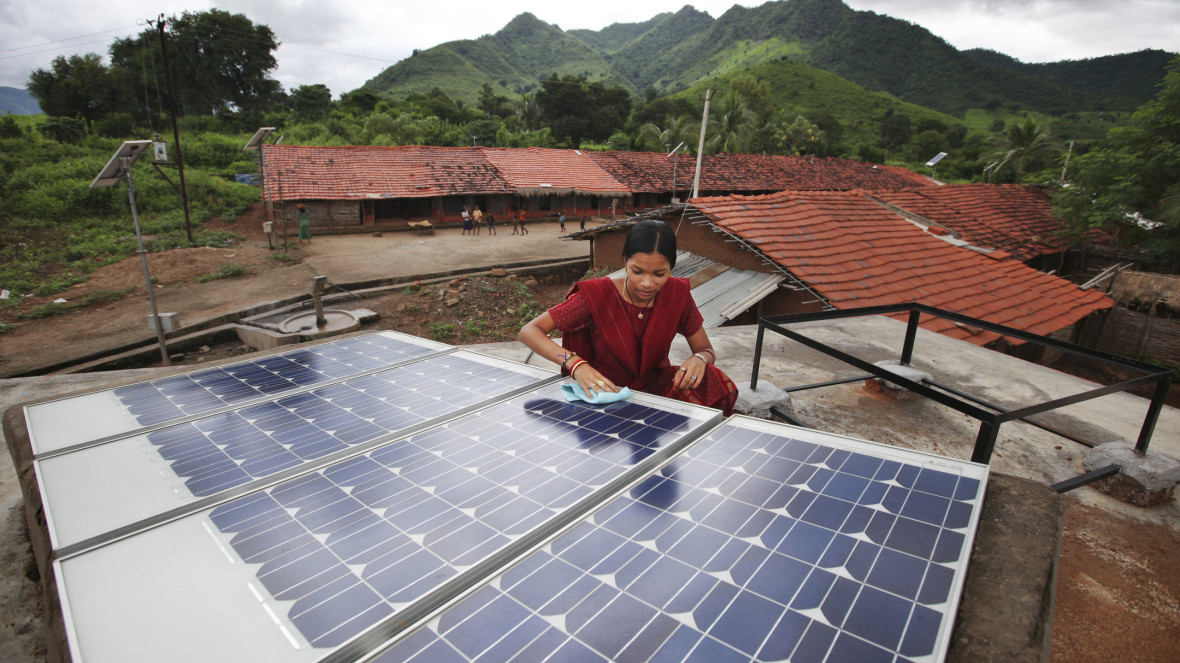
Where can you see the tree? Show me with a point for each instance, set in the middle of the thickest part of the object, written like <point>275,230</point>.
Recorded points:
<point>359,101</point>
<point>492,103</point>
<point>1129,183</point>
<point>220,62</point>
<point>79,86</point>
<point>896,129</point>
<point>311,102</point>
<point>1025,142</point>
<point>576,109</point>
<point>64,130</point>
<point>676,130</point>
<point>731,124</point>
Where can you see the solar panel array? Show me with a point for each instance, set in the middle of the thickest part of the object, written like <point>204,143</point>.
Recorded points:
<point>759,543</point>
<point>435,505</point>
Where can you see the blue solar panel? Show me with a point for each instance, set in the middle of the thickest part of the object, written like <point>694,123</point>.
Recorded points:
<point>348,546</point>
<point>759,543</point>
<point>223,450</point>
<point>179,396</point>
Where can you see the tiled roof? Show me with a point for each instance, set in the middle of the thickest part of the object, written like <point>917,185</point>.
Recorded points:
<point>304,172</point>
<point>538,171</point>
<point>651,172</point>
<point>301,172</point>
<point>853,252</point>
<point>1008,217</point>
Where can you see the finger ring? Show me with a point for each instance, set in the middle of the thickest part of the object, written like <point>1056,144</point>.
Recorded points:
<point>600,383</point>
<point>682,370</point>
<point>694,377</point>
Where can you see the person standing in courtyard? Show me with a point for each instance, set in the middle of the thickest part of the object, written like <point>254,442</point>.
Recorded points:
<point>561,220</point>
<point>477,220</point>
<point>523,229</point>
<point>617,332</point>
<point>466,221</point>
<point>491,224</point>
<point>304,224</point>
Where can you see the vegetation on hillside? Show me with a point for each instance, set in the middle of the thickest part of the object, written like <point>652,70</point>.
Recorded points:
<point>54,229</point>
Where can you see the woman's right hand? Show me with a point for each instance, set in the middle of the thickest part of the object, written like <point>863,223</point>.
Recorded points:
<point>588,378</point>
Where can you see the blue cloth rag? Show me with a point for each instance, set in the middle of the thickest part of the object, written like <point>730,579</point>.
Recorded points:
<point>573,392</point>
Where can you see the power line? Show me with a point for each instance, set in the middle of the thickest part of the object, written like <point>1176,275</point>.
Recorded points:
<point>62,41</point>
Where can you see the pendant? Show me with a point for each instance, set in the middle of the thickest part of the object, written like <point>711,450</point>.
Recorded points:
<point>640,316</point>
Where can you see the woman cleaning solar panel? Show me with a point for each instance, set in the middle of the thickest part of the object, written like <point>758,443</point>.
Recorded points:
<point>616,332</point>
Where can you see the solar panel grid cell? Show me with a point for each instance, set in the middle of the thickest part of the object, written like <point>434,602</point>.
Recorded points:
<point>750,546</point>
<point>363,538</point>
<point>220,451</point>
<point>178,396</point>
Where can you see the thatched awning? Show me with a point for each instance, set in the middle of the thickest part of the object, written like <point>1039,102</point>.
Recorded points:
<point>1146,288</point>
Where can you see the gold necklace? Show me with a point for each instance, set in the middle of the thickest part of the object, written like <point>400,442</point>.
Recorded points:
<point>627,291</point>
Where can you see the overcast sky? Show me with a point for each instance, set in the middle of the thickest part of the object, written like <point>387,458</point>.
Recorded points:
<point>343,43</point>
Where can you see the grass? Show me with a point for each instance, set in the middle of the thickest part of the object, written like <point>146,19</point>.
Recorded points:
<point>282,257</point>
<point>226,271</point>
<point>440,331</point>
<point>5,327</point>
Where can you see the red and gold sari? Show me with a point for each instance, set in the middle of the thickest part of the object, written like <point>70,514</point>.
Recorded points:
<point>599,326</point>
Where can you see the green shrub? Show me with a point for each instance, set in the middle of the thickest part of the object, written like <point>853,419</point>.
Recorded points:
<point>46,310</point>
<point>228,270</point>
<point>441,330</point>
<point>5,327</point>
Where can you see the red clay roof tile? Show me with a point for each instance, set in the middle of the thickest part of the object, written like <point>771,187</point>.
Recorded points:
<point>829,239</point>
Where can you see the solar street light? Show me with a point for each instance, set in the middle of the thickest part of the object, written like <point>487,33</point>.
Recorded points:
<point>119,168</point>
<point>932,164</point>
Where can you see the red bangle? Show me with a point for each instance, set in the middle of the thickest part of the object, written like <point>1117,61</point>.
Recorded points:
<point>577,363</point>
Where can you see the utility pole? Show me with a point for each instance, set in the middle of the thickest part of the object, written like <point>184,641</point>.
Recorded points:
<point>1065,167</point>
<point>188,228</point>
<point>696,179</point>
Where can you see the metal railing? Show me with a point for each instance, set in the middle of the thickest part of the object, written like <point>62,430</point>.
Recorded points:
<point>990,416</point>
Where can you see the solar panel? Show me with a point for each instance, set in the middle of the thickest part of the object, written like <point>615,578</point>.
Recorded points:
<point>302,567</point>
<point>761,542</point>
<point>135,478</point>
<point>56,425</point>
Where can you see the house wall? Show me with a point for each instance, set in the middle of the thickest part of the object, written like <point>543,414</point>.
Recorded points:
<point>324,215</point>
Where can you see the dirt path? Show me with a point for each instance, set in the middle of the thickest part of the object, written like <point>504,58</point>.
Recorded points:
<point>344,259</point>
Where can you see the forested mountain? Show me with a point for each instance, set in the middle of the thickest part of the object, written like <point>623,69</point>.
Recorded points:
<point>674,51</point>
<point>1136,75</point>
<point>513,61</point>
<point>17,101</point>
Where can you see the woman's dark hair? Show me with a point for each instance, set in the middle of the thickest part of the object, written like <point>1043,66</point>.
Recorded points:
<point>651,236</point>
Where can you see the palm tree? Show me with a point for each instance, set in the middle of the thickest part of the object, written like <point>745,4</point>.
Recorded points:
<point>1025,141</point>
<point>528,112</point>
<point>677,130</point>
<point>730,124</point>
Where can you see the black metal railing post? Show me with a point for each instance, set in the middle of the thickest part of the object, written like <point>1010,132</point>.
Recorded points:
<point>911,333</point>
<point>1153,414</point>
<point>757,355</point>
<point>985,441</point>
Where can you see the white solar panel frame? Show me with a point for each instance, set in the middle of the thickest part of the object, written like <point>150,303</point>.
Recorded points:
<point>171,559</point>
<point>98,491</point>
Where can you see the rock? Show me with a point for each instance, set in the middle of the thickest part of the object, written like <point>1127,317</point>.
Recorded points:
<point>463,277</point>
<point>453,282</point>
<point>452,291</point>
<point>532,282</point>
<point>499,272</point>
<point>1147,480</point>
<point>377,233</point>
<point>401,308</point>
<point>204,348</point>
<point>416,285</point>
<point>511,277</point>
<point>452,301</point>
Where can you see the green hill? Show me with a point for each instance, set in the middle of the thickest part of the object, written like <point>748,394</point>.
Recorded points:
<point>674,51</point>
<point>513,60</point>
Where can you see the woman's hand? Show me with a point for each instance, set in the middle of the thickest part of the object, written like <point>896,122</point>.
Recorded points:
<point>591,381</point>
<point>690,374</point>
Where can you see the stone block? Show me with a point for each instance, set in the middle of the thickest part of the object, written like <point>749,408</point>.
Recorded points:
<point>757,402</point>
<point>1147,480</point>
<point>887,388</point>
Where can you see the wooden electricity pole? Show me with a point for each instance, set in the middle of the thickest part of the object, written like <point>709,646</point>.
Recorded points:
<point>188,228</point>
<point>696,179</point>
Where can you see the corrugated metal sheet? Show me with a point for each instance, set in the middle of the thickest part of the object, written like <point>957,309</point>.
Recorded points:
<point>716,296</point>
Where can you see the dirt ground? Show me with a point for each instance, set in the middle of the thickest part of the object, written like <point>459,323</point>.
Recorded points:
<point>1113,602</point>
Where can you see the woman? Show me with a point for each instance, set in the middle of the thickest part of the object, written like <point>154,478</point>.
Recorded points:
<point>304,225</point>
<point>617,332</point>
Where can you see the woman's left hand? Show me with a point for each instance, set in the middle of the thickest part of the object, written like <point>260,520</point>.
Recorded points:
<point>690,374</point>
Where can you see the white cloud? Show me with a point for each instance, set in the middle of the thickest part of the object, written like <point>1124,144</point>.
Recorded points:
<point>344,43</point>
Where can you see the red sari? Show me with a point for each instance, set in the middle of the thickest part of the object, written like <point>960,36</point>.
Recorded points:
<point>599,326</point>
